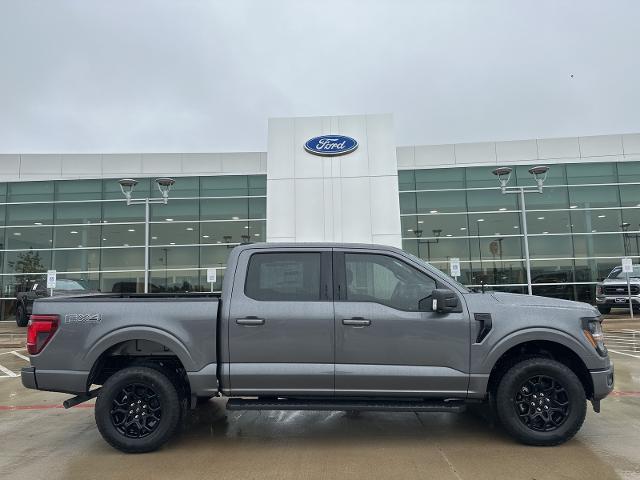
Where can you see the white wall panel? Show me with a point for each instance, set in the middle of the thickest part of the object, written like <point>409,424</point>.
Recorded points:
<point>475,153</point>
<point>406,157</point>
<point>601,145</point>
<point>201,162</point>
<point>558,147</point>
<point>432,155</point>
<point>342,198</point>
<point>9,167</point>
<point>631,143</point>
<point>82,165</point>
<point>516,151</point>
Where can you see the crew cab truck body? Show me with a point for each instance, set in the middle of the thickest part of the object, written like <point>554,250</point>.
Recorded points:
<point>322,327</point>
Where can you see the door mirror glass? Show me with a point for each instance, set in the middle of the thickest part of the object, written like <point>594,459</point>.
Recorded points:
<point>444,301</point>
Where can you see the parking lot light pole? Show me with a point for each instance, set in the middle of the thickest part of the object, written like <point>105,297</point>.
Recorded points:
<point>164,185</point>
<point>540,175</point>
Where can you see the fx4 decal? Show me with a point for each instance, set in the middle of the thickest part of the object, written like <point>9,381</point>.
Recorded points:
<point>82,318</point>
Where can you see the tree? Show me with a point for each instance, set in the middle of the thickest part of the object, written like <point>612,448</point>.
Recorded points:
<point>27,263</point>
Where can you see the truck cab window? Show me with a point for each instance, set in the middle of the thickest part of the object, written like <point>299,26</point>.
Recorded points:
<point>284,277</point>
<point>386,280</point>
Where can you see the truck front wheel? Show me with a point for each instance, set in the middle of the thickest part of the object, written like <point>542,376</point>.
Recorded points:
<point>138,409</point>
<point>541,402</point>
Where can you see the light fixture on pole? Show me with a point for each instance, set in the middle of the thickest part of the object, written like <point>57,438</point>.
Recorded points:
<point>539,175</point>
<point>127,185</point>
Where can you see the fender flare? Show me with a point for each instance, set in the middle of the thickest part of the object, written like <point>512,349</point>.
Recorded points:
<point>537,334</point>
<point>140,333</point>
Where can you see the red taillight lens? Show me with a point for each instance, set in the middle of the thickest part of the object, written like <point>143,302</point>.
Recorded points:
<point>40,330</point>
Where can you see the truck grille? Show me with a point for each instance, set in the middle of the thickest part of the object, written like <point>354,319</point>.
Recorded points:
<point>620,290</point>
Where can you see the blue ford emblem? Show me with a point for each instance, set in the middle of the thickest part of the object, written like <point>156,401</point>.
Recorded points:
<point>330,145</point>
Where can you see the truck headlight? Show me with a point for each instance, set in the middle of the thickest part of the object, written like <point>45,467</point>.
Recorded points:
<point>598,290</point>
<point>592,329</point>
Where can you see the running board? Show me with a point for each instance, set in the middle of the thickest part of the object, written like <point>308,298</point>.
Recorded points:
<point>455,406</point>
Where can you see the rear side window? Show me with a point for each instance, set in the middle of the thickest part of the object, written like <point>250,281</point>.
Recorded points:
<point>284,277</point>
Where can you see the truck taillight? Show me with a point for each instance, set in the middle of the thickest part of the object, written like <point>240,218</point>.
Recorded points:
<point>40,330</point>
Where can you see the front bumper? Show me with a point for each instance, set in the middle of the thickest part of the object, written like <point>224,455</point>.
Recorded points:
<point>602,382</point>
<point>617,302</point>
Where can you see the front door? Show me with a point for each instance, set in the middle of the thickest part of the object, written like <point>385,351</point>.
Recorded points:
<point>281,324</point>
<point>384,344</point>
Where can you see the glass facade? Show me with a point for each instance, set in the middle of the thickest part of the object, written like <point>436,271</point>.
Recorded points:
<point>85,231</point>
<point>586,219</point>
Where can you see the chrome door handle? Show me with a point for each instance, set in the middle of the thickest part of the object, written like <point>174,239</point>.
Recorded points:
<point>250,321</point>
<point>356,322</point>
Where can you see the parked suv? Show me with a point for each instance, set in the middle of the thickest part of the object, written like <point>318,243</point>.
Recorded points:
<point>613,291</point>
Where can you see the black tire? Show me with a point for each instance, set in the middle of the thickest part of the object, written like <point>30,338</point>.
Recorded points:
<point>156,403</point>
<point>22,319</point>
<point>541,402</point>
<point>604,310</point>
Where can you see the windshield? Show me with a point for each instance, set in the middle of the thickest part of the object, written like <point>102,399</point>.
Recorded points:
<point>429,266</point>
<point>63,284</point>
<point>617,273</point>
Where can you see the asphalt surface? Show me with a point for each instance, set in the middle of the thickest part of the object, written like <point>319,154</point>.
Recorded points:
<point>39,439</point>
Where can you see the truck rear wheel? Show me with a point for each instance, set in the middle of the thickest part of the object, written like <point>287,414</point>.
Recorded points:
<point>138,409</point>
<point>541,402</point>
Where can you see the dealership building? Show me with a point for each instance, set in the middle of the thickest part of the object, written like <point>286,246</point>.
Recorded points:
<point>67,212</point>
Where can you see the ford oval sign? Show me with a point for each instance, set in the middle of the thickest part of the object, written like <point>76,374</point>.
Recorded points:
<point>331,145</point>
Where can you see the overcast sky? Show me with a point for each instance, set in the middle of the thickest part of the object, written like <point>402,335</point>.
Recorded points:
<point>167,76</point>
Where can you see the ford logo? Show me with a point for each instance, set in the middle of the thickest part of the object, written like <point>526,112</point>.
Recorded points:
<point>330,145</point>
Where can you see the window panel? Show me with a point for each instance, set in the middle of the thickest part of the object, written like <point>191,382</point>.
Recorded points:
<point>111,189</point>
<point>602,196</point>
<point>79,259</point>
<point>479,177</point>
<point>122,259</point>
<point>78,190</point>
<point>490,200</point>
<point>31,261</point>
<point>550,198</point>
<point>177,281</point>
<point>162,258</point>
<point>439,178</point>
<point>170,233</point>
<point>113,212</point>
<point>123,282</point>
<point>26,238</point>
<point>549,222</point>
<point>550,246</point>
<point>30,192</point>
<point>88,212</point>
<point>592,221</point>
<point>224,209</point>
<point>630,195</point>
<point>406,180</point>
<point>284,277</point>
<point>122,235</point>
<point>214,256</point>
<point>175,210</point>
<point>76,236</point>
<point>225,186</point>
<point>30,214</point>
<point>600,245</point>
<point>556,175</point>
<point>579,173</point>
<point>493,272</point>
<point>494,224</point>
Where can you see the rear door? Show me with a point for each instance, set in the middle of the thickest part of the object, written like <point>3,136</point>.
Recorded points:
<point>281,323</point>
<point>384,345</point>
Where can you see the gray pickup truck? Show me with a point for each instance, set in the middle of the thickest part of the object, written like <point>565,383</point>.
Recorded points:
<point>321,327</point>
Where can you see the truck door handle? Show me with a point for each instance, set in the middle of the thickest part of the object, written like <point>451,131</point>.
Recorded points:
<point>251,321</point>
<point>356,322</point>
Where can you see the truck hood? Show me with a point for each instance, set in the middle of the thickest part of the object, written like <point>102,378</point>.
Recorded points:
<point>519,300</point>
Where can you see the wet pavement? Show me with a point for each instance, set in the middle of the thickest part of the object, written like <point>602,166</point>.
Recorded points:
<point>40,439</point>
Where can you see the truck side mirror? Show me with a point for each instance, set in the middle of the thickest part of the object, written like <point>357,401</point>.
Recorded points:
<point>444,301</point>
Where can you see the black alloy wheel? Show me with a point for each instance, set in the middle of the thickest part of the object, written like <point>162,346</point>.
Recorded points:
<point>136,411</point>
<point>542,403</point>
